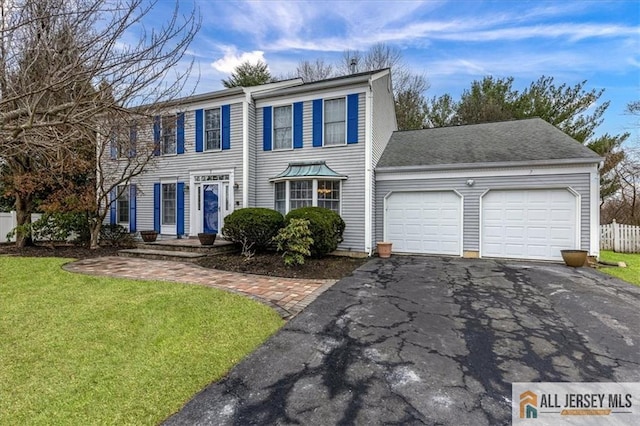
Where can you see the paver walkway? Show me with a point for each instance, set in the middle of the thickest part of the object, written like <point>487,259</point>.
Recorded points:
<point>289,295</point>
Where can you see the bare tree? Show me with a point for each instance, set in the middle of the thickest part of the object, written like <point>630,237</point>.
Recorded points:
<point>314,71</point>
<point>71,80</point>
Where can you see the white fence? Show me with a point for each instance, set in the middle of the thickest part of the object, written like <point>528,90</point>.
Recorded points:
<point>8,222</point>
<point>620,238</point>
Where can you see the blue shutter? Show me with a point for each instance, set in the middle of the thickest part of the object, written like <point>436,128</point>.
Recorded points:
<point>317,122</point>
<point>266,128</point>
<point>226,126</point>
<point>199,130</point>
<point>180,209</point>
<point>180,134</point>
<point>132,208</point>
<point>113,195</point>
<point>156,207</point>
<point>156,135</point>
<point>297,125</point>
<point>133,140</point>
<point>352,118</point>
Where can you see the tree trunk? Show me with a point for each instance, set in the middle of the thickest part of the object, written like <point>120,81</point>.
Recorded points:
<point>23,218</point>
<point>94,226</point>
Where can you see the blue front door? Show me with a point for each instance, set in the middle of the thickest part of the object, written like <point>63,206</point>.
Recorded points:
<point>210,208</point>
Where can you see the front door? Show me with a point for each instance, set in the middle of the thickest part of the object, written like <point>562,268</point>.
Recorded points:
<point>210,208</point>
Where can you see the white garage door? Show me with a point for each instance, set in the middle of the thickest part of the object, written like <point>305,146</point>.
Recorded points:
<point>424,222</point>
<point>528,224</point>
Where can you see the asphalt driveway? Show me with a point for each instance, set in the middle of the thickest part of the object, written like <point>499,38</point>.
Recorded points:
<point>428,340</point>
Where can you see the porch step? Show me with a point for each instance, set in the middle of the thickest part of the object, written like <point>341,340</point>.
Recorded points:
<point>180,256</point>
<point>189,245</point>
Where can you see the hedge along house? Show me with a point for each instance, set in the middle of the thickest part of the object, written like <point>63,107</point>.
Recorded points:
<point>280,145</point>
<point>517,189</point>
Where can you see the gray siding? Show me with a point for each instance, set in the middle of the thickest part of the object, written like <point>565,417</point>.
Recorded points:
<point>579,182</point>
<point>347,160</point>
<point>383,125</point>
<point>252,148</point>
<point>179,166</point>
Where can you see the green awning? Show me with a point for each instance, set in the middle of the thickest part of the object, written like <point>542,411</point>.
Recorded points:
<point>307,169</point>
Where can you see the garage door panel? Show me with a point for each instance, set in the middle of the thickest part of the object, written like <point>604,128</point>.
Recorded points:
<point>533,224</point>
<point>424,222</point>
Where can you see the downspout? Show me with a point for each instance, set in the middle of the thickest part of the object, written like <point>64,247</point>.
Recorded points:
<point>245,150</point>
<point>368,169</point>
<point>594,213</point>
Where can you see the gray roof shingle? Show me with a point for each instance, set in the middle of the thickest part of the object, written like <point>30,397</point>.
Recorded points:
<point>529,140</point>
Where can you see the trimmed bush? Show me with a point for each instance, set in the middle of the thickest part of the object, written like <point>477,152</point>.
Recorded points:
<point>253,228</point>
<point>294,240</point>
<point>326,228</point>
<point>116,235</point>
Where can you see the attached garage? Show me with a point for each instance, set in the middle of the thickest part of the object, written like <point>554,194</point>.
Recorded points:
<point>529,224</point>
<point>428,222</point>
<point>516,189</point>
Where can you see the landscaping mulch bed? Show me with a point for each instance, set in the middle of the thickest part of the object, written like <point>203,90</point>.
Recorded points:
<point>329,267</point>
<point>68,251</point>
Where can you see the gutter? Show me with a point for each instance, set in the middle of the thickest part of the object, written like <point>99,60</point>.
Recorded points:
<point>488,165</point>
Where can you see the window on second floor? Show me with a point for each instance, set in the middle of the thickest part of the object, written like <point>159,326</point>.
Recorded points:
<point>212,133</point>
<point>335,122</point>
<point>282,127</point>
<point>168,131</point>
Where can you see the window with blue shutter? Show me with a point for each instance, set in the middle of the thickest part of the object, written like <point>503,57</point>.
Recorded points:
<point>226,127</point>
<point>266,128</point>
<point>156,207</point>
<point>132,208</point>
<point>199,130</point>
<point>180,209</point>
<point>317,122</point>
<point>180,133</point>
<point>352,118</point>
<point>297,125</point>
<point>113,199</point>
<point>156,135</point>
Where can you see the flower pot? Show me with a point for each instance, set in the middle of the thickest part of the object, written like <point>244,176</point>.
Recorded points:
<point>207,239</point>
<point>148,236</point>
<point>384,249</point>
<point>575,258</point>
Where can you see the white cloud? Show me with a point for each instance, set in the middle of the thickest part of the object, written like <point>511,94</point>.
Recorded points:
<point>232,58</point>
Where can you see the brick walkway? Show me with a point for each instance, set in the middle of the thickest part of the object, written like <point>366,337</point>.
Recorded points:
<point>288,295</point>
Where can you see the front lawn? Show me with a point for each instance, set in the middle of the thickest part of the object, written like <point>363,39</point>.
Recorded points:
<point>76,349</point>
<point>631,273</point>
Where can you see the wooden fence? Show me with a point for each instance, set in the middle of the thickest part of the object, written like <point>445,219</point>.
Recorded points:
<point>620,238</point>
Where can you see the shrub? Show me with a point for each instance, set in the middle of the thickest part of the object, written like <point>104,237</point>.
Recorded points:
<point>326,228</point>
<point>295,241</point>
<point>116,235</point>
<point>253,228</point>
<point>53,227</point>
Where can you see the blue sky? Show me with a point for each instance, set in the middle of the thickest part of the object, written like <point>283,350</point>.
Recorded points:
<point>451,42</point>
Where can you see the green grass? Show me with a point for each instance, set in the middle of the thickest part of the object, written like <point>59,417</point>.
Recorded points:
<point>76,349</point>
<point>631,273</point>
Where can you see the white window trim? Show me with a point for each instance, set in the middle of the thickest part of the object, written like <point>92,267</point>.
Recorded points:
<point>204,130</point>
<point>175,135</point>
<point>127,192</point>
<point>314,192</point>
<point>273,129</point>
<point>168,228</point>
<point>324,116</point>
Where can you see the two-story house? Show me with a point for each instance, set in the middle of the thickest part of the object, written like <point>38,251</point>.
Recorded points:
<point>280,145</point>
<point>515,189</point>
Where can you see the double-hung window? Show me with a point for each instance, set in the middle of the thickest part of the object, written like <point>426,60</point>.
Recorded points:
<point>169,201</point>
<point>329,194</point>
<point>168,134</point>
<point>300,193</point>
<point>122,205</point>
<point>282,127</point>
<point>335,115</point>
<point>212,133</point>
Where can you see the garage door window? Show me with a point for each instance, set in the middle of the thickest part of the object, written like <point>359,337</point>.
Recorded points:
<point>293,194</point>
